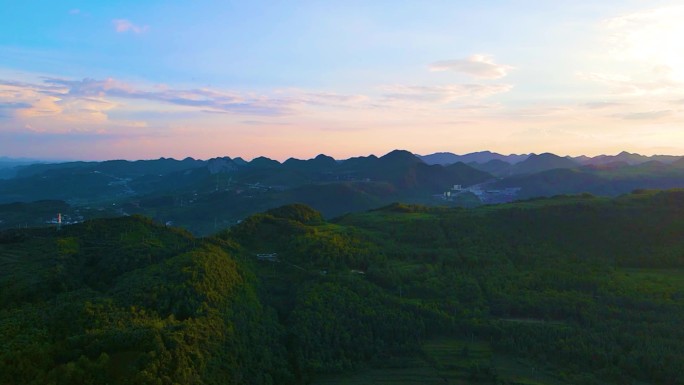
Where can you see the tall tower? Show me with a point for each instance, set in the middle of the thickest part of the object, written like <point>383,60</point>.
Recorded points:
<point>59,221</point>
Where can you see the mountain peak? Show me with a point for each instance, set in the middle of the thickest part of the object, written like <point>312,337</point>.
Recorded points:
<point>402,156</point>
<point>263,161</point>
<point>324,157</point>
<point>542,162</point>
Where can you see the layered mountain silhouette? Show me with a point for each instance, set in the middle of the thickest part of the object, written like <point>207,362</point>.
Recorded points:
<point>479,157</point>
<point>542,162</point>
<point>206,194</point>
<point>626,157</point>
<point>193,192</point>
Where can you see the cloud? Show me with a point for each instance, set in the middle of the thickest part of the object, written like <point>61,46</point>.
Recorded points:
<point>206,99</point>
<point>478,66</point>
<point>647,38</point>
<point>92,98</point>
<point>14,105</point>
<point>9,108</point>
<point>123,25</point>
<point>326,99</point>
<point>263,123</point>
<point>49,107</point>
<point>602,105</point>
<point>646,30</point>
<point>74,11</point>
<point>657,80</point>
<point>650,115</point>
<point>443,94</point>
<point>66,105</point>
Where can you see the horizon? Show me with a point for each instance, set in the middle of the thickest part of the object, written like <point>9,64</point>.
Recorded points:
<point>282,160</point>
<point>162,79</point>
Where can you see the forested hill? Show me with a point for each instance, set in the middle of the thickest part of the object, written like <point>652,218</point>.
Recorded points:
<point>566,290</point>
<point>127,301</point>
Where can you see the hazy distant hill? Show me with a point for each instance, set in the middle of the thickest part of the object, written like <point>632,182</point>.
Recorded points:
<point>86,181</point>
<point>624,156</point>
<point>609,179</point>
<point>542,162</point>
<point>11,162</point>
<point>495,167</point>
<point>9,166</point>
<point>117,168</point>
<point>473,157</point>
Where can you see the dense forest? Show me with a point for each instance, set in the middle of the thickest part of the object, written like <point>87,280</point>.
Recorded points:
<point>565,290</point>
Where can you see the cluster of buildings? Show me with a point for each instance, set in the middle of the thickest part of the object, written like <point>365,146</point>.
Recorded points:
<point>484,195</point>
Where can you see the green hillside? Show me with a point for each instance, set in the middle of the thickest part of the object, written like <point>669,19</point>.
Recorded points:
<point>126,301</point>
<point>566,290</point>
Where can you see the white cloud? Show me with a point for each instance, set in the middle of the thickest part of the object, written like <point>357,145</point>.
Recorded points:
<point>657,80</point>
<point>479,66</point>
<point>651,37</point>
<point>123,25</point>
<point>602,105</point>
<point>329,99</point>
<point>443,94</point>
<point>649,115</point>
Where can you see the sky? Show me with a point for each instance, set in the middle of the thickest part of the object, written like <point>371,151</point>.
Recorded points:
<point>148,79</point>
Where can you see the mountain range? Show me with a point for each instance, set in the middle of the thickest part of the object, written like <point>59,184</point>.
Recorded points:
<point>205,195</point>
<point>473,157</point>
<point>484,157</point>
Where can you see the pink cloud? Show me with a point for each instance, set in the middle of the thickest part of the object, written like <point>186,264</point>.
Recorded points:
<point>123,25</point>
<point>479,66</point>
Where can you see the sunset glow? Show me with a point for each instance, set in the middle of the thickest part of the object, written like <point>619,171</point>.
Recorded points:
<point>281,79</point>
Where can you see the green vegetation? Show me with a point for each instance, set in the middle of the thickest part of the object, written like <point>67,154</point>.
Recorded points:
<point>127,301</point>
<point>449,361</point>
<point>557,291</point>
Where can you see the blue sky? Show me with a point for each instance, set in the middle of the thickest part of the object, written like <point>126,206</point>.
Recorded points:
<point>125,79</point>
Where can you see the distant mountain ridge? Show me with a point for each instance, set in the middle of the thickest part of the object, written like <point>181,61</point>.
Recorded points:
<point>480,157</point>
<point>483,157</point>
<point>8,166</point>
<point>610,179</point>
<point>542,162</point>
<point>533,164</point>
<point>624,156</point>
